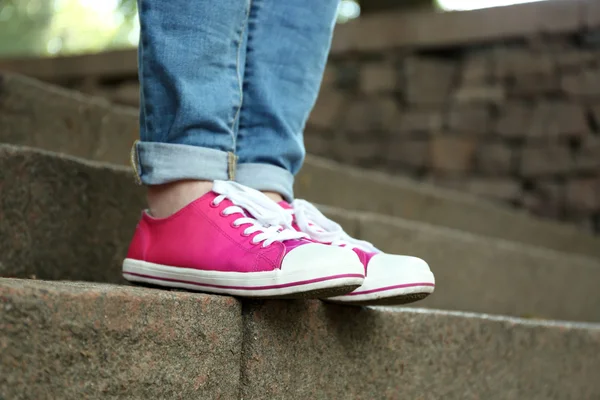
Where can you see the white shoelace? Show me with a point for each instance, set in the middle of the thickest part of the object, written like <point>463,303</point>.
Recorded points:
<point>266,217</point>
<point>322,229</point>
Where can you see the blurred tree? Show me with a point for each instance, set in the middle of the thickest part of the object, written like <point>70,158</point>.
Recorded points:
<point>24,25</point>
<point>129,9</point>
<point>48,27</point>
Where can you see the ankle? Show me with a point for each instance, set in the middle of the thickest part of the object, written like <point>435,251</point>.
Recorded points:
<point>276,197</point>
<point>165,200</point>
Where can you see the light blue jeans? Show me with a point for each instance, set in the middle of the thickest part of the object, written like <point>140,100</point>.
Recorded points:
<point>226,88</point>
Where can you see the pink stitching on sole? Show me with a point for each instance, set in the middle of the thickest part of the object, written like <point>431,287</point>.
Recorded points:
<point>248,287</point>
<point>390,288</point>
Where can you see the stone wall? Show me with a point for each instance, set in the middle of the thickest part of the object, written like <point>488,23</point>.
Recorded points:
<point>514,118</point>
<point>503,103</point>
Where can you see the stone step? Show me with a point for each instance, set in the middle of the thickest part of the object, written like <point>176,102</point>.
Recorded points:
<point>72,340</point>
<point>39,115</point>
<point>70,219</point>
<point>64,218</point>
<point>350,188</point>
<point>82,340</point>
<point>312,350</point>
<point>480,274</point>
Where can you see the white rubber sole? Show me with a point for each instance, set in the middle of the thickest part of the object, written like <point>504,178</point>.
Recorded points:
<point>416,286</point>
<point>302,283</point>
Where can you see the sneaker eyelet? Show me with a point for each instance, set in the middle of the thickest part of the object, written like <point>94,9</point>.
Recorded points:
<point>234,225</point>
<point>213,204</point>
<point>222,213</point>
<point>244,234</point>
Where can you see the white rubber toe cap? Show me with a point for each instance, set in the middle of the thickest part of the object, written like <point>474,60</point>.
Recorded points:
<point>392,278</point>
<point>391,270</point>
<point>322,260</point>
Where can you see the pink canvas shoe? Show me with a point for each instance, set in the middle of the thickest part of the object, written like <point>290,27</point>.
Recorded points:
<point>235,240</point>
<point>390,279</point>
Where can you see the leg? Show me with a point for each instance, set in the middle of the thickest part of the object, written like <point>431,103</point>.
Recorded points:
<point>191,95</point>
<point>205,233</point>
<point>286,53</point>
<point>287,47</point>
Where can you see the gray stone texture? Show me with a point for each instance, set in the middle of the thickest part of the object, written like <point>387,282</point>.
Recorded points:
<point>413,153</point>
<point>81,340</point>
<point>424,203</point>
<point>327,110</point>
<point>544,161</point>
<point>469,119</point>
<point>76,341</point>
<point>595,112</point>
<point>569,59</point>
<point>557,119</point>
<point>582,83</point>
<point>514,120</point>
<point>500,188</point>
<point>583,195</point>
<point>358,151</point>
<point>533,87</point>
<point>318,143</point>
<point>428,80</point>
<point>378,78</point>
<point>61,222</point>
<point>416,120</point>
<point>587,160</point>
<point>313,350</point>
<point>488,93</point>
<point>39,115</point>
<point>476,68</point>
<point>479,274</point>
<point>546,199</point>
<point>321,181</point>
<point>513,62</point>
<point>402,30</point>
<point>368,117</point>
<point>495,159</point>
<point>452,154</point>
<point>388,80</point>
<point>64,218</point>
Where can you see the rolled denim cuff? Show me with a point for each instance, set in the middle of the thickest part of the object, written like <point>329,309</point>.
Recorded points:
<point>265,177</point>
<point>158,163</point>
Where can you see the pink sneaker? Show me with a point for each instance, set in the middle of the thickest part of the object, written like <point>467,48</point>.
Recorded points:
<point>390,279</point>
<point>235,240</point>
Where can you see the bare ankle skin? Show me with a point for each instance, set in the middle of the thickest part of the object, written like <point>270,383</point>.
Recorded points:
<point>165,200</point>
<point>276,197</point>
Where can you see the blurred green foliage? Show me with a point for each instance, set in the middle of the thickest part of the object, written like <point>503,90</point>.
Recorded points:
<point>23,26</point>
<point>48,27</point>
<point>53,27</point>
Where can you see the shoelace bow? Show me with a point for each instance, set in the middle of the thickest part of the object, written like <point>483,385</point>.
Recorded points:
<point>322,229</point>
<point>265,215</point>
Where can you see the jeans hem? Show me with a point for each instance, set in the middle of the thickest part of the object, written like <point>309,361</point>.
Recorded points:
<point>265,177</point>
<point>158,163</point>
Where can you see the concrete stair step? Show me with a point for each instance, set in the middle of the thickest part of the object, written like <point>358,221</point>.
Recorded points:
<point>64,218</point>
<point>83,340</point>
<point>350,188</point>
<point>40,115</point>
<point>487,275</point>
<point>71,340</point>
<point>70,219</point>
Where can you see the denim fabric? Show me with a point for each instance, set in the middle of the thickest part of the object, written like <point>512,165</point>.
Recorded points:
<point>227,77</point>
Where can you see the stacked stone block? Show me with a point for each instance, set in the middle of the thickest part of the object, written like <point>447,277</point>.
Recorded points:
<point>515,121</point>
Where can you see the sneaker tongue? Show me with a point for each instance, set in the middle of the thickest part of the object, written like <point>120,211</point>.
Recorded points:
<point>285,205</point>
